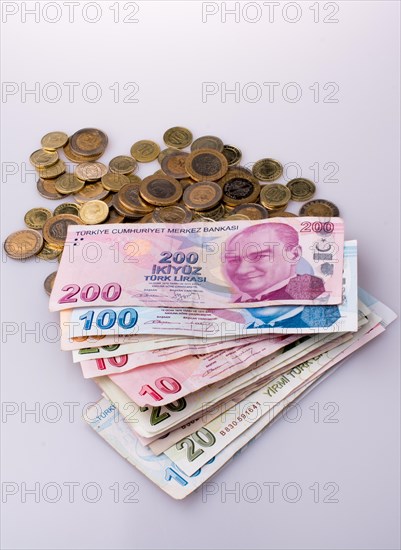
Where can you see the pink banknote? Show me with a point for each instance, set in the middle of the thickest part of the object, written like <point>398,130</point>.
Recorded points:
<point>228,264</point>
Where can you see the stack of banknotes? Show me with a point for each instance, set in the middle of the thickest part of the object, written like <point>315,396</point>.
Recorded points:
<point>199,335</point>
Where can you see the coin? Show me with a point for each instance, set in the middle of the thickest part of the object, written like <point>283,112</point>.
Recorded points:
<point>49,282</point>
<point>128,214</point>
<point>66,208</point>
<point>37,217</point>
<point>90,171</point>
<point>301,189</point>
<point>114,182</point>
<point>93,212</point>
<point>134,179</point>
<point>43,159</point>
<point>91,192</point>
<point>148,218</point>
<point>68,183</point>
<point>54,140</point>
<point>252,210</point>
<point>203,195</point>
<point>178,137</point>
<point>123,165</point>
<point>49,252</point>
<point>161,190</point>
<point>206,165</point>
<point>173,164</point>
<point>214,214</point>
<point>208,142</point>
<point>55,229</point>
<point>321,208</point>
<point>267,170</point>
<point>145,150</point>
<point>172,214</point>
<point>23,244</point>
<point>237,217</point>
<point>47,189</point>
<point>130,199</point>
<point>88,142</point>
<point>78,158</point>
<point>114,216</point>
<point>281,214</point>
<point>232,154</point>
<point>52,172</point>
<point>239,186</point>
<point>274,195</point>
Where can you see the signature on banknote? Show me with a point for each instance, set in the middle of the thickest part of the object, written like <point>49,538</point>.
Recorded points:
<point>185,295</point>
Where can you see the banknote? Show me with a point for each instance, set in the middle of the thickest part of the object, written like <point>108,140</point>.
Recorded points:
<point>229,264</point>
<point>120,360</point>
<point>223,322</point>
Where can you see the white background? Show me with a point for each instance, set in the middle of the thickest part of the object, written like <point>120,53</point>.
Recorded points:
<point>169,53</point>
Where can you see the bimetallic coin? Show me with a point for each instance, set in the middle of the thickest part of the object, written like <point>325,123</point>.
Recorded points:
<point>91,192</point>
<point>232,154</point>
<point>145,150</point>
<point>93,212</point>
<point>90,171</point>
<point>55,229</point>
<point>239,187</point>
<point>47,189</point>
<point>23,244</point>
<point>37,217</point>
<point>49,252</point>
<point>88,142</point>
<point>78,158</point>
<point>67,208</point>
<point>206,165</point>
<point>281,214</point>
<point>43,159</point>
<point>68,183</point>
<point>274,196</point>
<point>54,140</point>
<point>123,165</point>
<point>160,190</point>
<point>114,182</point>
<point>267,170</point>
<point>49,282</point>
<point>320,208</point>
<point>208,142</point>
<point>301,189</point>
<point>172,214</point>
<point>202,195</point>
<point>52,171</point>
<point>174,165</point>
<point>252,210</point>
<point>130,200</point>
<point>178,137</point>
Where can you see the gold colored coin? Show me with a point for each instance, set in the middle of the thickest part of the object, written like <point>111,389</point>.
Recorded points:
<point>320,208</point>
<point>206,165</point>
<point>174,165</point>
<point>123,165</point>
<point>202,195</point>
<point>93,212</point>
<point>178,137</point>
<point>301,189</point>
<point>79,158</point>
<point>281,214</point>
<point>49,282</point>
<point>232,154</point>
<point>90,171</point>
<point>145,150</point>
<point>114,182</point>
<point>208,142</point>
<point>52,171</point>
<point>43,159</point>
<point>275,195</point>
<point>37,217</point>
<point>134,179</point>
<point>131,201</point>
<point>55,229</point>
<point>49,252</point>
<point>67,208</point>
<point>88,142</point>
<point>68,183</point>
<point>239,187</point>
<point>54,140</point>
<point>267,170</point>
<point>172,214</point>
<point>47,189</point>
<point>160,190</point>
<point>128,214</point>
<point>252,210</point>
<point>23,244</point>
<point>91,192</point>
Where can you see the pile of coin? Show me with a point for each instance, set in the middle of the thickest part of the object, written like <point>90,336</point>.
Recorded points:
<point>202,183</point>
